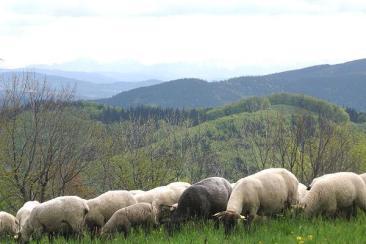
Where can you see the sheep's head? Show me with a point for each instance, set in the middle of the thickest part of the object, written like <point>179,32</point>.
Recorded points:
<point>173,207</point>
<point>229,219</point>
<point>298,208</point>
<point>299,205</point>
<point>25,232</point>
<point>16,227</point>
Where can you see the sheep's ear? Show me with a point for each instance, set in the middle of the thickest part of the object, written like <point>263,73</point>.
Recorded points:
<point>173,207</point>
<point>219,215</point>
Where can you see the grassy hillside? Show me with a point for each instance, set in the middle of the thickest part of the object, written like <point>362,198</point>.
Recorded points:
<point>343,84</point>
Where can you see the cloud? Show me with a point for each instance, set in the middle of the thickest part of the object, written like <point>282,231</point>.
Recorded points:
<point>81,8</point>
<point>226,33</point>
<point>50,8</point>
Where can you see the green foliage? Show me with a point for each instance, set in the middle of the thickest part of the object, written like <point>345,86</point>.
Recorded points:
<point>252,104</point>
<point>148,147</point>
<point>355,116</point>
<point>317,106</point>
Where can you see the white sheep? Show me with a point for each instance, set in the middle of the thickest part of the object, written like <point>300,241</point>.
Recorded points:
<point>25,211</point>
<point>363,176</point>
<point>167,197</point>
<point>150,196</point>
<point>8,224</point>
<point>179,184</point>
<point>139,214</point>
<point>302,191</point>
<point>104,206</point>
<point>67,212</point>
<point>335,193</point>
<point>267,192</point>
<point>135,192</point>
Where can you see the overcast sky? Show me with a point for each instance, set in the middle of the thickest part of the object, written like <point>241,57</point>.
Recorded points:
<point>227,33</point>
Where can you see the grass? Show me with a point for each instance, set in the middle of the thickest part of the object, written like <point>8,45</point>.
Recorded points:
<point>281,230</point>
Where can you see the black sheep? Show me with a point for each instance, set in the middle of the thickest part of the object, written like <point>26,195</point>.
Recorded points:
<point>201,200</point>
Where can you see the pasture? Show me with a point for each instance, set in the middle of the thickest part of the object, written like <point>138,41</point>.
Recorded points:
<point>279,230</point>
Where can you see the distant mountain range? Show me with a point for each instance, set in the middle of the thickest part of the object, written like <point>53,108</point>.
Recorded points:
<point>343,84</point>
<point>135,71</point>
<point>87,85</point>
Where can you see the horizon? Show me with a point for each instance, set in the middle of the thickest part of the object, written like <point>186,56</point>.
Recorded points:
<point>48,69</point>
<point>227,39</point>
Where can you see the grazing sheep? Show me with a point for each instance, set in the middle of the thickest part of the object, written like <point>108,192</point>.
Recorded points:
<point>267,192</point>
<point>25,211</point>
<point>335,193</point>
<point>135,192</point>
<point>202,200</point>
<point>178,184</point>
<point>104,206</point>
<point>232,184</point>
<point>166,197</point>
<point>302,191</point>
<point>67,212</point>
<point>149,196</point>
<point>316,179</point>
<point>292,184</point>
<point>139,214</point>
<point>8,224</point>
<point>363,176</point>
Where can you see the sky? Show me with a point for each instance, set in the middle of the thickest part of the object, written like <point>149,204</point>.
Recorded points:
<point>255,36</point>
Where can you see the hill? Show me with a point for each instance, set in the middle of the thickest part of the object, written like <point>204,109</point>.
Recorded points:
<point>343,84</point>
<point>85,88</point>
<point>190,93</point>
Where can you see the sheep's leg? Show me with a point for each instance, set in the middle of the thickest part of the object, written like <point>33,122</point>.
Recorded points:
<point>350,212</point>
<point>77,229</point>
<point>147,228</point>
<point>354,210</point>
<point>248,222</point>
<point>216,223</point>
<point>126,229</point>
<point>50,237</point>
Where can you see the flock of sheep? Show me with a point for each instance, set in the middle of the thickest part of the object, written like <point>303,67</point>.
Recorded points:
<point>268,192</point>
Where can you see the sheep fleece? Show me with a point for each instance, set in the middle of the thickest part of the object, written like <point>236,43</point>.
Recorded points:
<point>123,219</point>
<point>335,191</point>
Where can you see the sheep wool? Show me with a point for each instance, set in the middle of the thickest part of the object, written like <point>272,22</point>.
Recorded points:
<point>201,200</point>
<point>55,215</point>
<point>139,214</point>
<point>168,196</point>
<point>267,192</point>
<point>333,192</point>
<point>104,206</point>
<point>302,191</point>
<point>8,224</point>
<point>25,211</point>
<point>363,176</point>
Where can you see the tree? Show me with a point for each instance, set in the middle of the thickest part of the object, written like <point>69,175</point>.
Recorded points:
<point>44,147</point>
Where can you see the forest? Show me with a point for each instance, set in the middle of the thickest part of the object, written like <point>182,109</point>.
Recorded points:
<point>52,145</point>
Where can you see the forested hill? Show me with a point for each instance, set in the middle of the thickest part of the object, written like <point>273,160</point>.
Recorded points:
<point>343,84</point>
